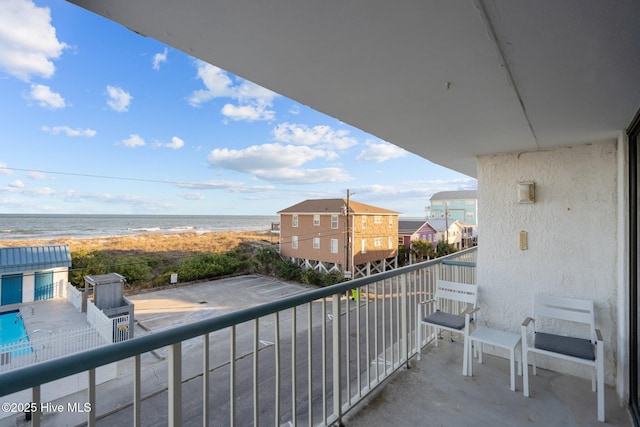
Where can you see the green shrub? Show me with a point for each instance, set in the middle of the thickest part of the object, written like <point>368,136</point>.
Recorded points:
<point>332,278</point>
<point>289,271</point>
<point>207,266</point>
<point>311,277</point>
<point>443,248</point>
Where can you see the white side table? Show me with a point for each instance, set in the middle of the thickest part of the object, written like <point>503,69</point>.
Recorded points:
<point>500,339</point>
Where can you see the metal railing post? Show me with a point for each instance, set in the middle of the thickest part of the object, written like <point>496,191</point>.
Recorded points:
<point>175,385</point>
<point>137,395</point>
<point>337,350</point>
<point>205,380</point>
<point>36,401</point>
<point>403,318</point>
<point>91,391</point>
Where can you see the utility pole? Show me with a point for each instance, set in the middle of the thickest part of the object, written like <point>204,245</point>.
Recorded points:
<point>446,221</point>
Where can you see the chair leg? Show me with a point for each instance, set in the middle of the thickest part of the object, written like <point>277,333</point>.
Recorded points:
<point>512,368</point>
<point>470,357</point>
<point>465,356</point>
<point>525,373</point>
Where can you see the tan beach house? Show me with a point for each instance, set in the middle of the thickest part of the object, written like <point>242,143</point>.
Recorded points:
<point>338,234</point>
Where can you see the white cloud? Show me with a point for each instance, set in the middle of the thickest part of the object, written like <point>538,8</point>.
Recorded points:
<point>133,141</point>
<point>303,176</point>
<point>234,186</point>
<point>119,99</point>
<point>41,191</point>
<point>159,58</point>
<point>417,190</point>
<point>191,196</point>
<point>266,156</point>
<point>249,113</point>
<point>253,101</point>
<point>276,162</point>
<point>37,176</point>
<point>211,185</point>
<point>295,110</point>
<point>322,136</point>
<point>4,170</point>
<point>28,41</point>
<point>176,143</point>
<point>55,130</point>
<point>45,97</point>
<point>17,184</point>
<point>380,152</point>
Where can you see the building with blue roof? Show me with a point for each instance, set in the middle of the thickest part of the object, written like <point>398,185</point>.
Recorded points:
<point>32,273</point>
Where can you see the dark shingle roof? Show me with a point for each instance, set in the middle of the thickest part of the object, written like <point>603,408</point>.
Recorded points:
<point>30,258</point>
<point>334,206</point>
<point>409,226</point>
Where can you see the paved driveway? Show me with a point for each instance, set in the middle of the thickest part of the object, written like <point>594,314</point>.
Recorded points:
<point>181,305</point>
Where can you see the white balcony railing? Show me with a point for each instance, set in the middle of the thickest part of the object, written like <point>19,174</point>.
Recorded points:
<point>304,360</point>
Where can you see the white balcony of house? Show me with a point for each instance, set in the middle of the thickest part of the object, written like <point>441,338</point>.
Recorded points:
<point>345,353</point>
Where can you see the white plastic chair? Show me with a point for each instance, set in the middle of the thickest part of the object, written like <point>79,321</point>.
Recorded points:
<point>449,298</point>
<point>586,351</point>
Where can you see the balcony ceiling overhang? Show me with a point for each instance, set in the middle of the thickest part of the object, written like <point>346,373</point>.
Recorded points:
<point>447,80</point>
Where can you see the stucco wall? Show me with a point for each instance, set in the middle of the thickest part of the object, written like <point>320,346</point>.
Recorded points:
<point>572,237</point>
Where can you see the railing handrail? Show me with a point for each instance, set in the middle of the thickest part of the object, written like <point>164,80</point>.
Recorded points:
<point>23,378</point>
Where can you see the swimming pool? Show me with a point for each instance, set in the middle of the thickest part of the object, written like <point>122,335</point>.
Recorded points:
<point>12,332</point>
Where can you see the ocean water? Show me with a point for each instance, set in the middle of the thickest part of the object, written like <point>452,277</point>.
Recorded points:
<point>36,226</point>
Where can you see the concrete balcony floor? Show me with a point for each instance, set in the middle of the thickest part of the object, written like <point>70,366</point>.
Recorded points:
<point>435,393</point>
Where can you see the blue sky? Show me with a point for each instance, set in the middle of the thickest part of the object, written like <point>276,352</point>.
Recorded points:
<point>97,119</point>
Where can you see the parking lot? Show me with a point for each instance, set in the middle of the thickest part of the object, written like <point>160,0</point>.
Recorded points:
<point>165,308</point>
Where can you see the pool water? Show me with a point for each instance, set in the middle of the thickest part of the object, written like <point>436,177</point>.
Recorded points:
<point>12,331</point>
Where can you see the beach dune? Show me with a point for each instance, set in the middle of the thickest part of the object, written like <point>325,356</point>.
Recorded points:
<point>171,243</point>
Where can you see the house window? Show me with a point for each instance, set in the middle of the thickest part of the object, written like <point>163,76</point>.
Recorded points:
<point>294,242</point>
<point>377,219</point>
<point>294,221</point>
<point>377,242</point>
<point>390,242</point>
<point>364,222</point>
<point>390,222</point>
<point>316,219</point>
<point>316,243</point>
<point>334,221</point>
<point>364,246</point>
<point>334,246</point>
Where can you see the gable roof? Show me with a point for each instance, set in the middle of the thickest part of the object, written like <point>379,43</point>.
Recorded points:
<point>334,206</point>
<point>31,258</point>
<point>455,195</point>
<point>439,224</point>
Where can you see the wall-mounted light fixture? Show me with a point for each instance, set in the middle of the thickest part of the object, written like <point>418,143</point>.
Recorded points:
<point>526,192</point>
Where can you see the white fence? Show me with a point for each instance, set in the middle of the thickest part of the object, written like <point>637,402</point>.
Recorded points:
<point>74,296</point>
<point>42,345</point>
<point>114,329</point>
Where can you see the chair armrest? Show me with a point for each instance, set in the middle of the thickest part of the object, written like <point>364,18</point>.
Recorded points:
<point>526,322</point>
<point>469,313</point>
<point>599,336</point>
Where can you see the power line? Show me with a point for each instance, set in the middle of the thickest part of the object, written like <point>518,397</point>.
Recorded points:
<point>185,184</point>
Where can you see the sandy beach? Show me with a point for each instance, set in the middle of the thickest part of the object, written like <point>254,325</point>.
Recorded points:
<point>172,243</point>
